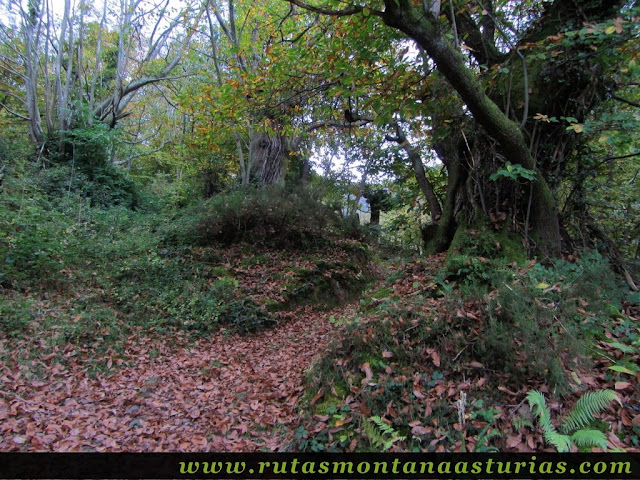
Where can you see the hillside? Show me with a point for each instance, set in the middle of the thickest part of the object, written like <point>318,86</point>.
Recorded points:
<point>144,331</point>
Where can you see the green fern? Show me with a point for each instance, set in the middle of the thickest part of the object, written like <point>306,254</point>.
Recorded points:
<point>381,435</point>
<point>519,422</point>
<point>587,407</point>
<point>581,416</point>
<point>589,438</point>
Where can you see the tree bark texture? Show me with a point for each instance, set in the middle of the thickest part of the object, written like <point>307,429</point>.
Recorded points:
<point>426,31</point>
<point>267,154</point>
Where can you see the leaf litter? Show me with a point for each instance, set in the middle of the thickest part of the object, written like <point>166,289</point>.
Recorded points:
<point>224,393</point>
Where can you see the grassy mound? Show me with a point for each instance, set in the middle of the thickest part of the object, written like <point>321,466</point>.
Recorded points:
<point>274,217</point>
<point>420,364</point>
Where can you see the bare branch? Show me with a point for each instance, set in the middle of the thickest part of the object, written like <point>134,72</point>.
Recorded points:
<point>628,102</point>
<point>336,124</point>
<point>15,114</point>
<point>9,94</point>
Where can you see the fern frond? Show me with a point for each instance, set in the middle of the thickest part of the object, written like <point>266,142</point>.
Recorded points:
<point>376,439</point>
<point>520,422</point>
<point>587,407</point>
<point>539,408</point>
<point>589,438</point>
<point>558,440</point>
<point>384,436</point>
<point>538,404</point>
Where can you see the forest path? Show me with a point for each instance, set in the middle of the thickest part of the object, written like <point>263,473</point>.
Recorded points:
<point>223,393</point>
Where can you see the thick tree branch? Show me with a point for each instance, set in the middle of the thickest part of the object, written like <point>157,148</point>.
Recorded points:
<point>418,169</point>
<point>15,114</point>
<point>624,100</point>
<point>353,10</point>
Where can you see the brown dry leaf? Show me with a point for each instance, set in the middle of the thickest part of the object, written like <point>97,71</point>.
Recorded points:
<point>504,389</point>
<point>419,430</point>
<point>434,356</point>
<point>366,368</point>
<point>514,442</point>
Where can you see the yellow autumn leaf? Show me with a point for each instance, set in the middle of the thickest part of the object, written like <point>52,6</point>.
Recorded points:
<point>542,285</point>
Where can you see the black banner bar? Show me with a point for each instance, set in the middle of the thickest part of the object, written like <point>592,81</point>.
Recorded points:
<point>319,465</point>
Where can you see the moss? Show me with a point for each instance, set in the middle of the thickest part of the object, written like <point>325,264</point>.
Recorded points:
<point>512,248</point>
<point>330,403</point>
<point>254,260</point>
<point>482,242</point>
<point>382,293</point>
<point>360,252</point>
<point>613,312</point>
<point>220,272</point>
<point>328,285</point>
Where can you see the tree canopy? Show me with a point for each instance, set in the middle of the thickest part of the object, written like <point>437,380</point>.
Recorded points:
<point>524,105</point>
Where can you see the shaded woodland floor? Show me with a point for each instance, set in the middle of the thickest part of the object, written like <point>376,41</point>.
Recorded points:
<point>224,393</point>
<point>409,353</point>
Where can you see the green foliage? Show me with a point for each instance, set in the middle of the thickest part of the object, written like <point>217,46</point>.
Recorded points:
<point>520,326</point>
<point>15,315</point>
<point>403,336</point>
<point>82,167</point>
<point>275,216</point>
<point>575,425</point>
<point>329,284</point>
<point>586,408</point>
<point>590,278</point>
<point>132,269</point>
<point>514,172</point>
<point>32,243</point>
<point>556,309</point>
<point>381,435</point>
<point>478,258</point>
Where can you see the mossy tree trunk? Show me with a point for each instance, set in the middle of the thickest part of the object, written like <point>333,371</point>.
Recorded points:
<point>427,32</point>
<point>503,128</point>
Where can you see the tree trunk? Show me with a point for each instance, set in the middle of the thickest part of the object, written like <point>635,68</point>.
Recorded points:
<point>418,169</point>
<point>32,22</point>
<point>267,155</point>
<point>426,31</point>
<point>437,238</point>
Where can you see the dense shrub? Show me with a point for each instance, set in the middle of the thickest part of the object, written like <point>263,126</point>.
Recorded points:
<point>15,315</point>
<point>170,292</point>
<point>81,166</point>
<point>532,324</point>
<point>31,244</point>
<point>274,216</point>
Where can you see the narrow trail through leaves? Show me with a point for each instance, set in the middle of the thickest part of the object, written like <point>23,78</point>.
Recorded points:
<point>223,393</point>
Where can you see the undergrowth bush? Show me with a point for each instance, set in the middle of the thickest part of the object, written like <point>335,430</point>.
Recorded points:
<point>15,315</point>
<point>81,166</point>
<point>521,324</point>
<point>31,245</point>
<point>274,216</point>
<point>169,294</point>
